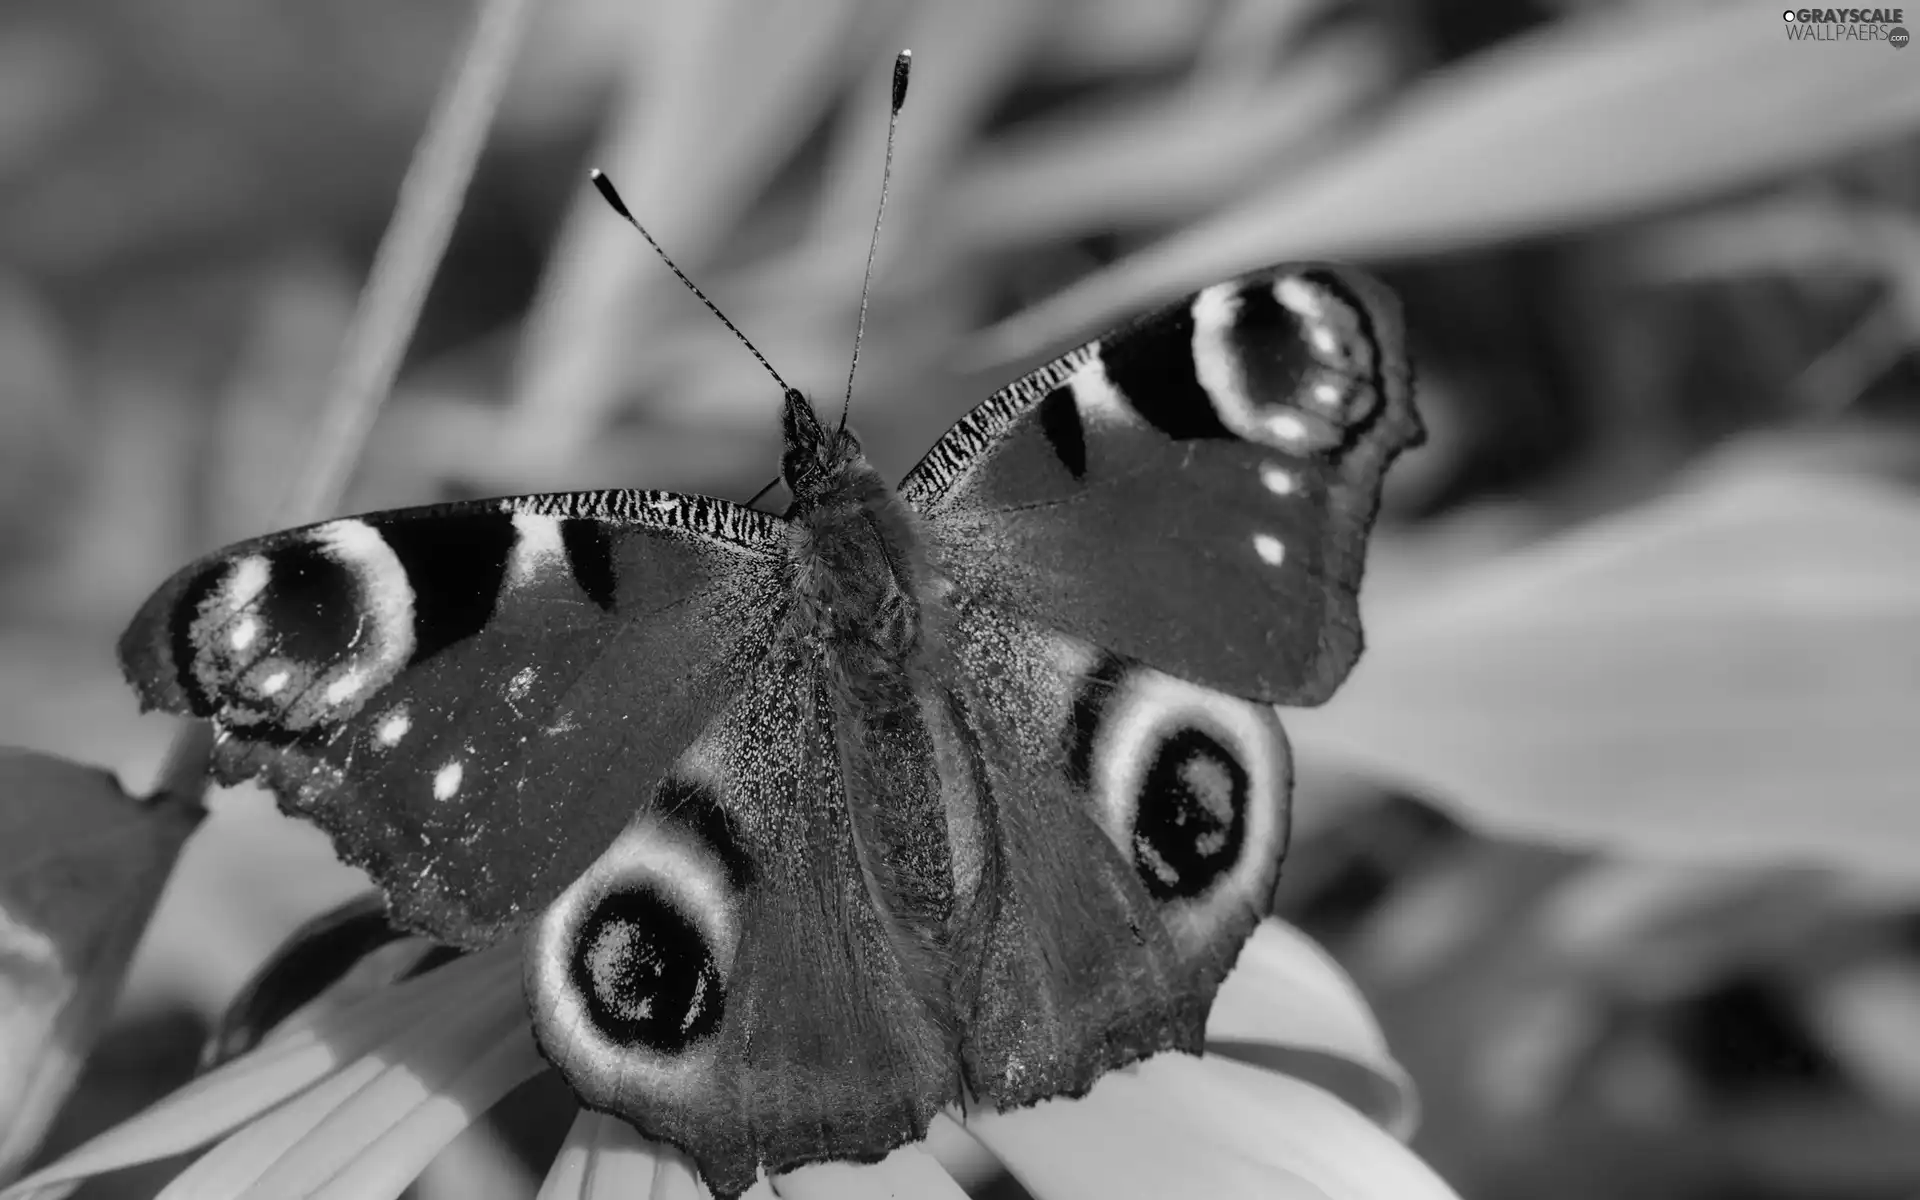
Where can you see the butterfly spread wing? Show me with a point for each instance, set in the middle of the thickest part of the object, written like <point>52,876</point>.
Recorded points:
<point>472,699</point>
<point>594,709</point>
<point>722,976</point>
<point>1142,546</point>
<point>1194,490</point>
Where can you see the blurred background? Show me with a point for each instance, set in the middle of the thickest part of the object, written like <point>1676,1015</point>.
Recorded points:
<point>1616,825</point>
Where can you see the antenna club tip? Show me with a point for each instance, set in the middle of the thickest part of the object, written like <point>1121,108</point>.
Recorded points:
<point>902,67</point>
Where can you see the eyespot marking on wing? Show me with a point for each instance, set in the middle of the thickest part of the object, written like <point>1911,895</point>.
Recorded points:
<point>1290,364</point>
<point>1189,783</point>
<point>628,970</point>
<point>297,637</point>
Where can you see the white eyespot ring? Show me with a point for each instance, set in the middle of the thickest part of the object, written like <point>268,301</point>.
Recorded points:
<point>1145,712</point>
<point>236,658</point>
<point>681,897</point>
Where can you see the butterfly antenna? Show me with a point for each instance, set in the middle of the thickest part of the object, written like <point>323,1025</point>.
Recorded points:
<point>604,186</point>
<point>902,65</point>
<point>755,499</point>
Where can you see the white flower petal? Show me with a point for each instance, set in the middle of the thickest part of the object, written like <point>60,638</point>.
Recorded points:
<point>230,1168</point>
<point>1112,1144</point>
<point>602,1159</point>
<point>1286,1123</point>
<point>445,987</point>
<point>1288,1006</point>
<point>426,1064</point>
<point>674,1177</point>
<point>960,1154</point>
<point>282,1067</point>
<point>384,1169</point>
<point>908,1171</point>
<point>567,1177</point>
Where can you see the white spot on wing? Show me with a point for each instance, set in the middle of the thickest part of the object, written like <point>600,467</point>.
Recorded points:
<point>521,683</point>
<point>249,579</point>
<point>446,781</point>
<point>537,548</point>
<point>343,686</point>
<point>1278,480</point>
<point>1286,427</point>
<point>393,728</point>
<point>244,631</point>
<point>1270,549</point>
<point>1297,295</point>
<point>271,685</point>
<point>1095,396</point>
<point>1310,304</point>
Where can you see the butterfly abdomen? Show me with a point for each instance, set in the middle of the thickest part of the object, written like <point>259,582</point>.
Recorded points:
<point>856,570</point>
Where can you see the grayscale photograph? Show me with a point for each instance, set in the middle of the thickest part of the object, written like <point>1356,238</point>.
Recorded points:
<point>959,599</point>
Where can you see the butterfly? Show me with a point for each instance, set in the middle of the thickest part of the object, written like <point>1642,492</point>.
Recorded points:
<point>814,824</point>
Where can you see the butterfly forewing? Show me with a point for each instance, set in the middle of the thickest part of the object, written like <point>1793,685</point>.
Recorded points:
<point>1194,490</point>
<point>468,697</point>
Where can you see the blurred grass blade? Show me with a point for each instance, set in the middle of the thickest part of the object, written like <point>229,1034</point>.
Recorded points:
<point>1129,165</point>
<point>403,268</point>
<point>1589,120</point>
<point>81,867</point>
<point>1727,673</point>
<point>690,147</point>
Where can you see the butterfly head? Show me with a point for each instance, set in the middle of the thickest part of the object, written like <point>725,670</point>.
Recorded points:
<point>815,457</point>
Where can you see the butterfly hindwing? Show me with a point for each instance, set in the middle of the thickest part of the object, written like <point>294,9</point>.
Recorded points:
<point>429,685</point>
<point>1136,822</point>
<point>1194,490</point>
<point>725,976</point>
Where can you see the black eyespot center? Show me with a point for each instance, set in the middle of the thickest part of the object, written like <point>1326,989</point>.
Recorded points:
<point>1271,345</point>
<point>647,973</point>
<point>311,607</point>
<point>1190,822</point>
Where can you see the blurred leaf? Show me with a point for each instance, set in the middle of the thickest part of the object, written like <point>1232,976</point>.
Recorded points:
<point>1867,1014</point>
<point>1727,673</point>
<point>81,866</point>
<point>1592,119</point>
